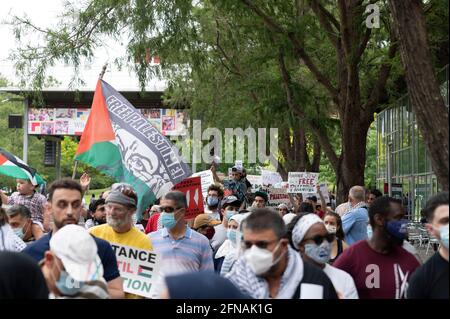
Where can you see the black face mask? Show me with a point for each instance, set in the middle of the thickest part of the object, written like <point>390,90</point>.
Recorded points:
<point>391,235</point>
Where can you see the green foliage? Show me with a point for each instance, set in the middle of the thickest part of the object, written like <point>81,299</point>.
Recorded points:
<point>222,61</point>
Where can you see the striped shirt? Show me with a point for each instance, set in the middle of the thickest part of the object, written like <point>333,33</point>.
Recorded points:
<point>35,203</point>
<point>189,253</point>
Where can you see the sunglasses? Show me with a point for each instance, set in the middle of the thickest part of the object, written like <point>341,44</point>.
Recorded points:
<point>318,239</point>
<point>263,244</point>
<point>169,209</point>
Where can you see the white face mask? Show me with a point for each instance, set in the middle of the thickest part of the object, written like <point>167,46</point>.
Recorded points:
<point>331,229</point>
<point>260,260</point>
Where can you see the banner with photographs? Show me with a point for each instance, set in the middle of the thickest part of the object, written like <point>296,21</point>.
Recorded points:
<point>71,121</point>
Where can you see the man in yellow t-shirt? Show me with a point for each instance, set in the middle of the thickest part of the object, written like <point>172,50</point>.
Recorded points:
<point>121,204</point>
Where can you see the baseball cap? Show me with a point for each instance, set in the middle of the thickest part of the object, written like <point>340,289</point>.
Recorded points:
<point>237,169</point>
<point>204,219</point>
<point>78,252</point>
<point>230,200</point>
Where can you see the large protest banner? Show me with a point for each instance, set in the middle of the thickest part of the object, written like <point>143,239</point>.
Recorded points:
<point>276,196</point>
<point>120,142</point>
<point>192,187</point>
<point>270,178</point>
<point>302,182</point>
<point>138,268</point>
<point>206,179</point>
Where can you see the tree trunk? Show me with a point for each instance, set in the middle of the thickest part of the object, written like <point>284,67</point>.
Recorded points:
<point>353,157</point>
<point>294,152</point>
<point>423,86</point>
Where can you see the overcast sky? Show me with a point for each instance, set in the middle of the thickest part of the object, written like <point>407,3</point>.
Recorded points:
<point>44,13</point>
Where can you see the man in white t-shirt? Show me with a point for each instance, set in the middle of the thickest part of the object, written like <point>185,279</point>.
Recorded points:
<point>312,240</point>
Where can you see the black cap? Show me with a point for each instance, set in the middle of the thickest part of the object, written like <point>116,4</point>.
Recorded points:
<point>313,198</point>
<point>263,195</point>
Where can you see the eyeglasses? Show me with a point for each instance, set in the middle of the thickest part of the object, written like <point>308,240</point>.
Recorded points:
<point>318,239</point>
<point>263,244</point>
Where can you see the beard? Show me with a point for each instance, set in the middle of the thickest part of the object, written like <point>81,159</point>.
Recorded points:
<point>393,240</point>
<point>67,221</point>
<point>119,223</point>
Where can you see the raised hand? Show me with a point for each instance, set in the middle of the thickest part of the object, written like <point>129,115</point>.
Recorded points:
<point>85,181</point>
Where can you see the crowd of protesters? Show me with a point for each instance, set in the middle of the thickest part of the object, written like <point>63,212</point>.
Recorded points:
<point>57,246</point>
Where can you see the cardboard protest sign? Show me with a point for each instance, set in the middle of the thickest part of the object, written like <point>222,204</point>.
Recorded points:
<point>270,178</point>
<point>206,179</point>
<point>277,196</point>
<point>138,268</point>
<point>256,182</point>
<point>192,187</point>
<point>302,182</point>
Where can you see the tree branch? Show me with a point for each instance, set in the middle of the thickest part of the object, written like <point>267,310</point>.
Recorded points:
<point>322,138</point>
<point>298,49</point>
<point>363,45</point>
<point>328,15</point>
<point>383,75</point>
<point>324,20</point>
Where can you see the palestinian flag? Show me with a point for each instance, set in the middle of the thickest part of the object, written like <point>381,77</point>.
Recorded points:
<point>13,166</point>
<point>120,142</point>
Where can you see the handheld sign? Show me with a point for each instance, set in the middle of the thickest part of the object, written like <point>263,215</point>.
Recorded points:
<point>277,196</point>
<point>138,268</point>
<point>192,187</point>
<point>270,178</point>
<point>302,182</point>
<point>256,182</point>
<point>206,180</point>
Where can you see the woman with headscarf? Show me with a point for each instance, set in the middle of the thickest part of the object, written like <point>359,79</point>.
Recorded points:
<point>310,237</point>
<point>229,249</point>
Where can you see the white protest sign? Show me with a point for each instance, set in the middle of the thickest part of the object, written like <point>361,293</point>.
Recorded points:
<point>325,193</point>
<point>256,182</point>
<point>302,182</point>
<point>277,196</point>
<point>206,179</point>
<point>270,178</point>
<point>138,268</point>
<point>238,164</point>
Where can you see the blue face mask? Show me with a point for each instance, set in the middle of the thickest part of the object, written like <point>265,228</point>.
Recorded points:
<point>319,253</point>
<point>168,220</point>
<point>369,231</point>
<point>443,234</point>
<point>212,201</point>
<point>233,235</point>
<point>19,232</point>
<point>229,214</point>
<point>397,229</point>
<point>68,286</point>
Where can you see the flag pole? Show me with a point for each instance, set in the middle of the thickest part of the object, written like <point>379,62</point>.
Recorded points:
<point>100,76</point>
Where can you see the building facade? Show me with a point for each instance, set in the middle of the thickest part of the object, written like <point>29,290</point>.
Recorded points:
<point>403,164</point>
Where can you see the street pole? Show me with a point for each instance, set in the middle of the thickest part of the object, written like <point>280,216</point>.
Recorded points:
<point>25,130</point>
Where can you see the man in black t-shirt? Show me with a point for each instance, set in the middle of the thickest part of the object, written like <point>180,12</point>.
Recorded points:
<point>431,281</point>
